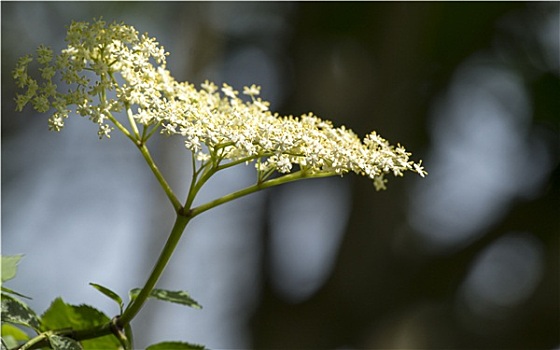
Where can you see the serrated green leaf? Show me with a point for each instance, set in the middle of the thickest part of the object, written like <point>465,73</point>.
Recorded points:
<point>9,266</point>
<point>63,343</point>
<point>178,297</point>
<point>61,315</point>
<point>175,345</point>
<point>109,293</point>
<point>16,311</point>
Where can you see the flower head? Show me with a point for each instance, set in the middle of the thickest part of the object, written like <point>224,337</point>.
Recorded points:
<point>111,69</point>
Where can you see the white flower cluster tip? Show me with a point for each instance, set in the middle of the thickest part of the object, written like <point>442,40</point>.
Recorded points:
<point>110,68</point>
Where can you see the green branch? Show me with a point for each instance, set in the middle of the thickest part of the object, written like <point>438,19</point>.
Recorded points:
<point>121,127</point>
<point>132,122</point>
<point>300,175</point>
<point>41,340</point>
<point>168,191</point>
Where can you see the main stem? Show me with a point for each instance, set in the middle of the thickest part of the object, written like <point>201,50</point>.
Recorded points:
<point>176,233</point>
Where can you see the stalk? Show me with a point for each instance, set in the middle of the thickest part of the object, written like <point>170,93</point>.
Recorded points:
<point>300,175</point>
<point>176,233</point>
<point>168,191</point>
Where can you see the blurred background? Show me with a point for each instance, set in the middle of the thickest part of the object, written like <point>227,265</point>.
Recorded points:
<point>465,258</point>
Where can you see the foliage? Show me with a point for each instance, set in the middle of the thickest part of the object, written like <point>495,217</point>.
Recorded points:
<point>57,325</point>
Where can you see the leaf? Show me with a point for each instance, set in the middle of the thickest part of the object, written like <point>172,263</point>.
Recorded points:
<point>12,335</point>
<point>13,331</point>
<point>175,345</point>
<point>63,343</point>
<point>16,311</point>
<point>9,266</point>
<point>108,342</point>
<point>178,297</point>
<point>61,315</point>
<point>8,290</point>
<point>114,296</point>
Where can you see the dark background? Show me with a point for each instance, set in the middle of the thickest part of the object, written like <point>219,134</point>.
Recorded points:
<point>466,258</point>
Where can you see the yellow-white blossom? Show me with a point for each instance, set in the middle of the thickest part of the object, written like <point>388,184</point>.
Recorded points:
<point>110,68</point>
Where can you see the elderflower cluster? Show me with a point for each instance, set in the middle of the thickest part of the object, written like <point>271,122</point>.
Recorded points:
<point>111,69</point>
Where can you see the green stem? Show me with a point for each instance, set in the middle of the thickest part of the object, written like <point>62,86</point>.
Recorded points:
<point>235,162</point>
<point>103,100</point>
<point>168,191</point>
<point>132,310</point>
<point>191,194</point>
<point>41,340</point>
<point>121,127</point>
<point>199,178</point>
<point>176,233</point>
<point>206,171</point>
<point>300,175</point>
<point>35,343</point>
<point>132,122</point>
<point>151,132</point>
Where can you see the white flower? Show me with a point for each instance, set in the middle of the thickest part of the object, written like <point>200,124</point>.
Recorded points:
<point>229,92</point>
<point>220,128</point>
<point>252,91</point>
